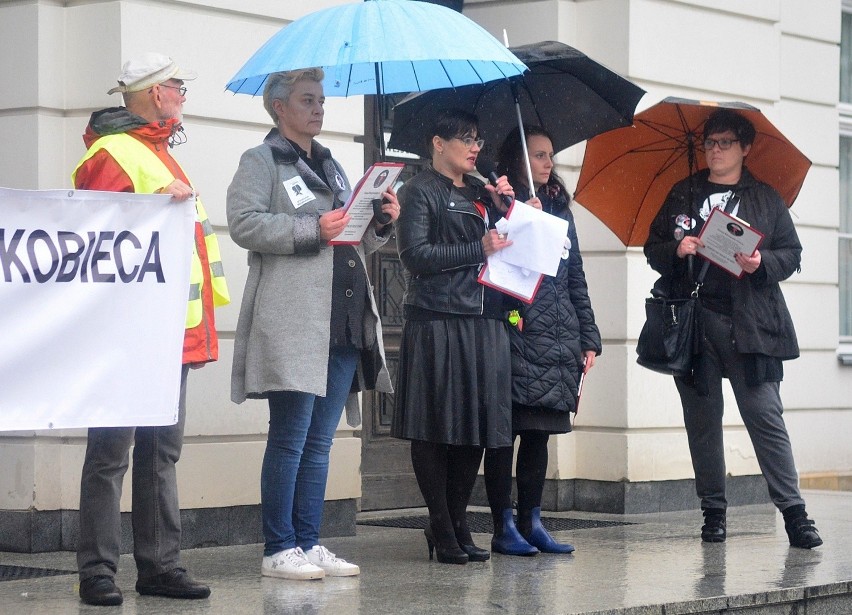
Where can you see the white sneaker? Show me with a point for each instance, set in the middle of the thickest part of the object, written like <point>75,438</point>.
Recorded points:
<point>330,563</point>
<point>290,564</point>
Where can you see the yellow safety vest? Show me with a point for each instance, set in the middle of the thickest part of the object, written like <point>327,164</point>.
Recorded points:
<point>148,174</point>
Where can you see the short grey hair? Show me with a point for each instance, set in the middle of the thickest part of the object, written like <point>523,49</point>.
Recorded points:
<point>279,86</point>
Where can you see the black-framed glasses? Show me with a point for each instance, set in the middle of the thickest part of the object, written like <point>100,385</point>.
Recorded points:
<point>722,143</point>
<point>470,141</point>
<point>182,89</point>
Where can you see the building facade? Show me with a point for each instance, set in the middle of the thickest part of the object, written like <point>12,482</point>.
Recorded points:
<point>628,452</point>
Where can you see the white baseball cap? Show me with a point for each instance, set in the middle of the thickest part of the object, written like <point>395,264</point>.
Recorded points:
<point>148,70</point>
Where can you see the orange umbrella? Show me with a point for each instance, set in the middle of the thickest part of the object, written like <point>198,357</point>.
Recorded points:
<point>628,172</point>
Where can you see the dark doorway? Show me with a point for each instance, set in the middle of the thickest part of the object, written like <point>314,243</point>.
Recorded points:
<point>387,480</point>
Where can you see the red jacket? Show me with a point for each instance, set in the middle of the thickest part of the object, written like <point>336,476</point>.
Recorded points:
<point>102,172</point>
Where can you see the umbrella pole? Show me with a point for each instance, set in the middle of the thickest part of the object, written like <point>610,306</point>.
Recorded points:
<point>380,132</point>
<point>690,158</point>
<point>524,147</point>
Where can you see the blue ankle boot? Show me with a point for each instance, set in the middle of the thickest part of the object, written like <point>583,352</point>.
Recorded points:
<point>533,531</point>
<point>507,540</point>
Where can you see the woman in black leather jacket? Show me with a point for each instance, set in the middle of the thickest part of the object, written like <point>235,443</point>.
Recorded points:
<point>553,345</point>
<point>453,388</point>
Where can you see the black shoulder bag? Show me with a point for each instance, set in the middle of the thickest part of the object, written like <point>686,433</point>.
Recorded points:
<point>672,333</point>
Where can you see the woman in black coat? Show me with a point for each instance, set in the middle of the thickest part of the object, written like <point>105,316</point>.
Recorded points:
<point>452,393</point>
<point>554,342</point>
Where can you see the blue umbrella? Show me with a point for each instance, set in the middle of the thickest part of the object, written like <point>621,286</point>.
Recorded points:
<point>382,47</point>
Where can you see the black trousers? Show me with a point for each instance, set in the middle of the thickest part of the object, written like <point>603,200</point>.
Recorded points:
<point>761,410</point>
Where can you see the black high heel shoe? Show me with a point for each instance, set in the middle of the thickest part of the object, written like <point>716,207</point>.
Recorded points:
<point>475,554</point>
<point>444,554</point>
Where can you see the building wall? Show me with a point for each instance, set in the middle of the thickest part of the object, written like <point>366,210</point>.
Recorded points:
<point>59,59</point>
<point>780,56</point>
<point>62,60</point>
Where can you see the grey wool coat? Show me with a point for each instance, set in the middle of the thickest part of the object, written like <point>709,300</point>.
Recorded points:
<point>283,332</point>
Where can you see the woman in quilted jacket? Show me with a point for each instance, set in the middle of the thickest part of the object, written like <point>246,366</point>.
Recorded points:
<point>554,342</point>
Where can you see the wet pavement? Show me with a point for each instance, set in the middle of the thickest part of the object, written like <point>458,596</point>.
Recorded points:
<point>655,564</point>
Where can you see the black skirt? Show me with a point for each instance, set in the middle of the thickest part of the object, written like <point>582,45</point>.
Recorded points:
<point>454,383</point>
<point>548,420</point>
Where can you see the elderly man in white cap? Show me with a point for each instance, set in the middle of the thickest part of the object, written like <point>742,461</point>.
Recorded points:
<point>128,151</point>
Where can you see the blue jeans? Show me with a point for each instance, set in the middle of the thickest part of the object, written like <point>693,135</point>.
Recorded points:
<point>295,464</point>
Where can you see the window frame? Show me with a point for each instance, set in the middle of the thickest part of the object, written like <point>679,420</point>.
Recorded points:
<point>844,351</point>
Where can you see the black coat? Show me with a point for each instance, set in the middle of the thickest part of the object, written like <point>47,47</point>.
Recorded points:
<point>761,321</point>
<point>439,236</point>
<point>558,327</point>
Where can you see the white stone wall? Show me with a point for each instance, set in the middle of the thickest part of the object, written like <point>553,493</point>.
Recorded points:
<point>781,56</point>
<point>57,61</point>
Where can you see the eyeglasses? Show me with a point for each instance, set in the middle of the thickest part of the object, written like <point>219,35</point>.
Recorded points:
<point>470,141</point>
<point>182,89</point>
<point>722,143</point>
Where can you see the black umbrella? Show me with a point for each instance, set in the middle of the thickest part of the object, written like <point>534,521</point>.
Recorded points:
<point>565,92</point>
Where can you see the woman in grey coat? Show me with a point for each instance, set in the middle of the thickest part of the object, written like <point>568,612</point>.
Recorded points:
<point>308,334</point>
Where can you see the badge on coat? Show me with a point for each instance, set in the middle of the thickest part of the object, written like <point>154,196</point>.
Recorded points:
<point>566,248</point>
<point>685,222</point>
<point>338,178</point>
<point>298,192</point>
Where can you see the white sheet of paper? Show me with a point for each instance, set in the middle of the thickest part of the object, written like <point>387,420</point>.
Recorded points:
<point>538,239</point>
<point>511,278</point>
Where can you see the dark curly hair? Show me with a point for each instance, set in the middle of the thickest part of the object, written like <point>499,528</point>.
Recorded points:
<point>722,120</point>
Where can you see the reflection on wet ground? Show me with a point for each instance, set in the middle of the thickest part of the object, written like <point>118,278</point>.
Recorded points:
<point>657,562</point>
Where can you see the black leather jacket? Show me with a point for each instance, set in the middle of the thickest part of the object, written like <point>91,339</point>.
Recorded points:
<point>439,237</point>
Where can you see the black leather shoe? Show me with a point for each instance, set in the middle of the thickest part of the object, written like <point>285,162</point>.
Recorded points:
<point>802,533</point>
<point>714,528</point>
<point>175,583</point>
<point>100,590</point>
<point>446,554</point>
<point>474,553</point>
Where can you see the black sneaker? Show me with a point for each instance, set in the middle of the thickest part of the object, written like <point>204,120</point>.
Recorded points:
<point>175,583</point>
<point>802,533</point>
<point>714,529</point>
<point>100,590</point>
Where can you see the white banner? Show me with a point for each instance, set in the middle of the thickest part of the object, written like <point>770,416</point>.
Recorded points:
<point>93,291</point>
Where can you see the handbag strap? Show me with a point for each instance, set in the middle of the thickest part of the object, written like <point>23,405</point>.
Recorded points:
<point>729,207</point>
<point>700,281</point>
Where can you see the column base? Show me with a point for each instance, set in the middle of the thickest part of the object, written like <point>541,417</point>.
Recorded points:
<point>40,531</point>
<point>624,497</point>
